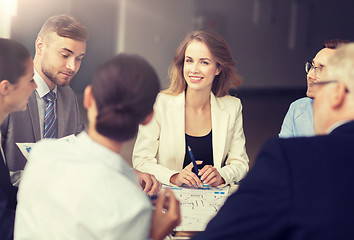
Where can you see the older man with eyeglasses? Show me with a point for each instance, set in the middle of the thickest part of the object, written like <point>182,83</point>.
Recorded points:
<point>301,188</point>
<point>298,121</point>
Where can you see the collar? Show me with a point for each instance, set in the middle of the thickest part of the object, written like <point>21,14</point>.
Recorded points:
<point>94,151</point>
<point>336,125</point>
<point>42,87</point>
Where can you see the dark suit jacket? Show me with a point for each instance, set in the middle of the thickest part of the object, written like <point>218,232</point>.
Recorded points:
<point>300,188</point>
<point>21,127</point>
<point>7,203</point>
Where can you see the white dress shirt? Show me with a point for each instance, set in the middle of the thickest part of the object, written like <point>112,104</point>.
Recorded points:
<point>80,190</point>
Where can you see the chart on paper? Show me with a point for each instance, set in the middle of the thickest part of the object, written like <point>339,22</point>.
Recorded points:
<point>199,206</point>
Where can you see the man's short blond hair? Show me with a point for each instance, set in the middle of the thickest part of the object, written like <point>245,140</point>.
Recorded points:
<point>65,26</point>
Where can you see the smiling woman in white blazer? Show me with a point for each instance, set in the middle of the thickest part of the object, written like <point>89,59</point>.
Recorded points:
<point>196,109</point>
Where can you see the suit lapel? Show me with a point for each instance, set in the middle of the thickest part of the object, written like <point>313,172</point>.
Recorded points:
<point>177,111</point>
<point>32,107</point>
<point>219,122</point>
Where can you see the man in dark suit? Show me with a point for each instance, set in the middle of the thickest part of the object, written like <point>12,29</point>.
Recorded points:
<point>60,48</point>
<point>301,188</point>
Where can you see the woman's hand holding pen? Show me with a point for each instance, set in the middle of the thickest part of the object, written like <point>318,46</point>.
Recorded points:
<point>211,176</point>
<point>187,176</point>
<point>167,215</point>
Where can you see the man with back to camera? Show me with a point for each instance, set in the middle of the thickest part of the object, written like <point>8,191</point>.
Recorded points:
<point>298,121</point>
<point>301,188</point>
<point>59,50</point>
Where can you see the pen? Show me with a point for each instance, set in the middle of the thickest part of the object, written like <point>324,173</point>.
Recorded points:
<point>193,161</point>
<point>153,197</point>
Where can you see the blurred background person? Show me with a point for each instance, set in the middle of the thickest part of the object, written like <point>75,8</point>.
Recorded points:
<point>298,121</point>
<point>16,86</point>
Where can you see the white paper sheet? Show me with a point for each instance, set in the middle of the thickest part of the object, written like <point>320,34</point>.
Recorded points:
<point>199,206</point>
<point>25,148</point>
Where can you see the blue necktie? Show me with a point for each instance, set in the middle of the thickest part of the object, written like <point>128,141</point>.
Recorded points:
<point>50,128</point>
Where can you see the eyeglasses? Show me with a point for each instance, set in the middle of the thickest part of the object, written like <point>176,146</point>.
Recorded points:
<point>309,66</point>
<point>321,83</point>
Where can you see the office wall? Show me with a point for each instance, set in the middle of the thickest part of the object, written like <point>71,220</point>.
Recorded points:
<point>271,39</point>
<point>154,29</point>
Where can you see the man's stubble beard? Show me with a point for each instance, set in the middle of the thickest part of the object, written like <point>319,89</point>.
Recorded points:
<point>49,74</point>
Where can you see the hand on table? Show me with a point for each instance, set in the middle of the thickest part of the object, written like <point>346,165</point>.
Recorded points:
<point>148,183</point>
<point>167,215</point>
<point>187,176</point>
<point>210,176</point>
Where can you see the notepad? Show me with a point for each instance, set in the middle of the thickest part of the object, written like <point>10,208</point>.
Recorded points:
<point>198,206</point>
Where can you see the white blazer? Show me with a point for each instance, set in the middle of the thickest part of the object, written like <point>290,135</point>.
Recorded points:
<point>160,145</point>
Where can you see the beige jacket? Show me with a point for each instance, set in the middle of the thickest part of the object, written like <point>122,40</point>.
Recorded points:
<point>160,145</point>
